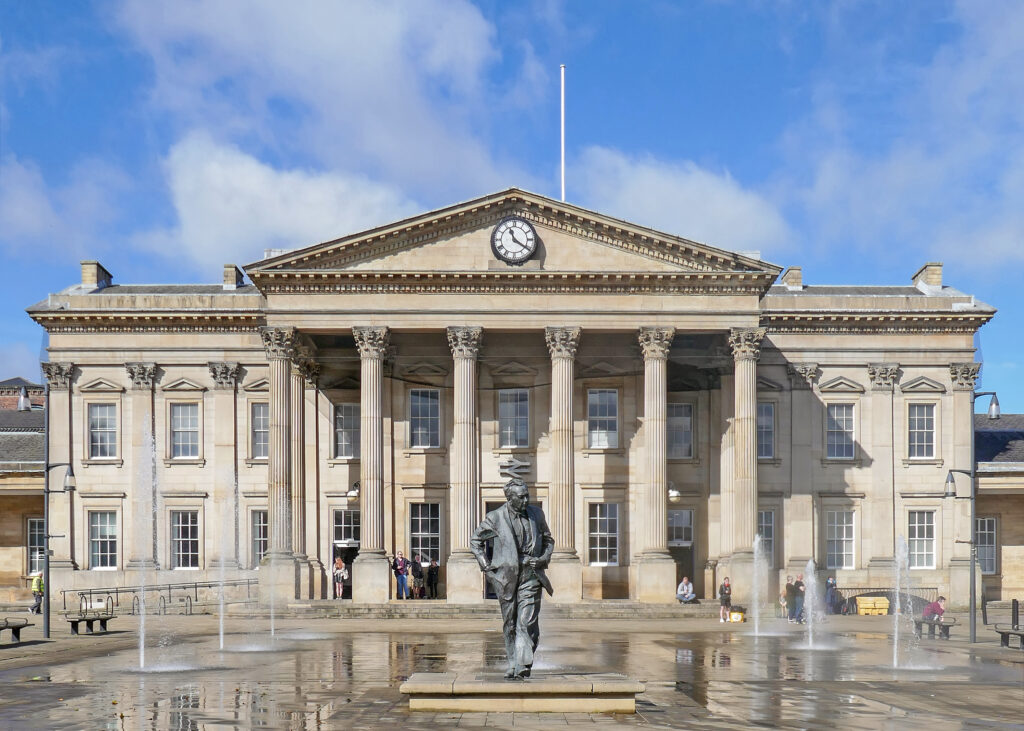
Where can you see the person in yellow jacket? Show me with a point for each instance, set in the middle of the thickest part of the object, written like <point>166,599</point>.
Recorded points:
<point>37,592</point>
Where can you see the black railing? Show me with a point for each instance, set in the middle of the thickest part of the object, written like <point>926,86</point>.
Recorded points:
<point>187,593</point>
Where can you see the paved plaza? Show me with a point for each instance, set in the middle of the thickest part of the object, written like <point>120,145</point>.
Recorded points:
<point>344,674</point>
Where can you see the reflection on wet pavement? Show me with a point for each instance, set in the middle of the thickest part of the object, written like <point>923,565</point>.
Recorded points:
<point>316,678</point>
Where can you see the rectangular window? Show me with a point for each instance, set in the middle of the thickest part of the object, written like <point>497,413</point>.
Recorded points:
<point>765,430</point>
<point>346,431</point>
<point>36,544</point>
<point>921,431</point>
<point>346,527</point>
<point>102,431</point>
<point>839,539</point>
<point>604,534</point>
<point>514,417</point>
<point>185,539</point>
<point>425,417</point>
<point>602,418</point>
<point>103,540</point>
<point>260,536</point>
<point>766,529</point>
<point>839,431</point>
<point>921,539</point>
<point>680,527</point>
<point>184,431</point>
<point>425,531</point>
<point>259,428</point>
<point>679,431</point>
<point>985,540</point>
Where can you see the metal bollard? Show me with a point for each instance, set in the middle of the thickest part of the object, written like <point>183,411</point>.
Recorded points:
<point>1015,614</point>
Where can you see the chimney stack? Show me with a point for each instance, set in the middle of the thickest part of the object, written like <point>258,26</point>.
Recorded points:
<point>930,275</point>
<point>233,277</point>
<point>793,278</point>
<point>95,276</point>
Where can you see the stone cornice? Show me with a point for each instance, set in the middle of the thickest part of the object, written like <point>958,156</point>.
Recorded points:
<point>863,323</point>
<point>465,341</point>
<point>655,342</point>
<point>509,281</point>
<point>156,322</point>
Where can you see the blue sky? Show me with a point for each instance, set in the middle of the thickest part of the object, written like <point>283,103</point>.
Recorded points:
<point>857,139</point>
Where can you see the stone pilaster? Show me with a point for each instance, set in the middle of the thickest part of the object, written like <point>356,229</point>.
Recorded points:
<point>225,543</point>
<point>655,567</point>
<point>312,576</point>
<point>141,455</point>
<point>277,575</point>
<point>799,539</point>
<point>746,348</point>
<point>565,570</point>
<point>883,377</point>
<point>464,579</point>
<point>964,378</point>
<point>371,577</point>
<point>62,506</point>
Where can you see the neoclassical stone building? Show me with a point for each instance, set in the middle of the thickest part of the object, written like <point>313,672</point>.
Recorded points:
<point>666,401</point>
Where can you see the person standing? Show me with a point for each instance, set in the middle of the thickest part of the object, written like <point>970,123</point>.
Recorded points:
<point>401,568</point>
<point>417,577</point>
<point>724,600</point>
<point>831,596</point>
<point>790,600</point>
<point>432,578</point>
<point>684,592</point>
<point>37,593</point>
<point>798,592</point>
<point>340,572</point>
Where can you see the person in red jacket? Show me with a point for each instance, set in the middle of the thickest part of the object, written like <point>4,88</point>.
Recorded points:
<point>935,610</point>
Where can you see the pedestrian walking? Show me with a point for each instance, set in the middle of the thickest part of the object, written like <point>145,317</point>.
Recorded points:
<point>37,593</point>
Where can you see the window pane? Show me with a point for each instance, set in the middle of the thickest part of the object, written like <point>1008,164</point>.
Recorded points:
<point>185,539</point>
<point>603,418</point>
<point>679,431</point>
<point>185,430</point>
<point>103,540</point>
<point>102,430</point>
<point>839,431</point>
<point>839,539</point>
<point>603,534</point>
<point>346,430</point>
<point>765,430</point>
<point>921,539</point>
<point>346,526</point>
<point>513,417</point>
<point>260,536</point>
<point>425,531</point>
<point>260,427</point>
<point>985,538</point>
<point>425,418</point>
<point>766,529</point>
<point>680,527</point>
<point>36,544</point>
<point>921,430</point>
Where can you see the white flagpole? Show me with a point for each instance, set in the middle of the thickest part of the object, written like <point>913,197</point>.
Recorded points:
<point>563,133</point>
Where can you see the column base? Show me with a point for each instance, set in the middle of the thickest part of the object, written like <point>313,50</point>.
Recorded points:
<point>565,571</point>
<point>277,579</point>
<point>307,577</point>
<point>371,578</point>
<point>655,578</point>
<point>464,579</point>
<point>741,577</point>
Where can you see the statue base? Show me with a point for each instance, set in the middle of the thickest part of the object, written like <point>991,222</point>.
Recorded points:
<point>491,693</point>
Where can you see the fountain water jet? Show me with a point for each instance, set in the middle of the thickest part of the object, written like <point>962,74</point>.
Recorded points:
<point>812,600</point>
<point>902,574</point>
<point>760,582</point>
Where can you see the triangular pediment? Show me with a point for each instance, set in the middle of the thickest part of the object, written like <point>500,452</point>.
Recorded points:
<point>101,385</point>
<point>512,369</point>
<point>764,384</point>
<point>922,384</point>
<point>183,384</point>
<point>599,369</point>
<point>842,384</point>
<point>260,384</point>
<point>423,369</point>
<point>345,383</point>
<point>455,242</point>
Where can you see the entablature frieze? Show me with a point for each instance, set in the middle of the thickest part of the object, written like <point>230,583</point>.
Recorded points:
<point>871,323</point>
<point>148,322</point>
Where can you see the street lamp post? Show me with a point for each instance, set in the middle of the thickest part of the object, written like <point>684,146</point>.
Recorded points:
<point>993,413</point>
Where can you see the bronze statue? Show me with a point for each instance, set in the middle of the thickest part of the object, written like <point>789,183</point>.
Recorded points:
<point>521,551</point>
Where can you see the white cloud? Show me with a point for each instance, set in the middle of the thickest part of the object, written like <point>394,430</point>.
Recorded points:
<point>231,206</point>
<point>680,198</point>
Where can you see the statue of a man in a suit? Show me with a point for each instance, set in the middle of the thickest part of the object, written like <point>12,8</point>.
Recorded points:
<point>521,551</point>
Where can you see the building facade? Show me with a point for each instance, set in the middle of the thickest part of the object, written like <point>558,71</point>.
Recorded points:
<point>665,400</point>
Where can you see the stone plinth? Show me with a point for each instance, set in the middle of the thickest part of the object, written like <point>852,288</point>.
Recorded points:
<point>489,692</point>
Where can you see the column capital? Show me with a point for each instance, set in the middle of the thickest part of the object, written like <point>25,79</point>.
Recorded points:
<point>143,375</point>
<point>746,342</point>
<point>655,342</point>
<point>883,375</point>
<point>225,374</point>
<point>803,375</point>
<point>465,341</point>
<point>964,375</point>
<point>309,369</point>
<point>372,342</point>
<point>58,375</point>
<point>562,341</point>
<point>280,343</point>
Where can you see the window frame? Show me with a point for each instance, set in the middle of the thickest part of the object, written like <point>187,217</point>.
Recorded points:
<point>770,550</point>
<point>356,432</point>
<point>413,535</point>
<point>173,539</point>
<point>936,423</point>
<point>994,545</point>
<point>411,432</point>
<point>251,405</point>
<point>590,390</point>
<point>674,542</point>
<point>774,430</point>
<point>255,556</point>
<point>692,456</point>
<point>354,526</point>
<point>830,564</point>
<point>173,403</point>
<point>31,565</point>
<point>93,564</point>
<point>591,534</point>
<point>854,431</point>
<point>933,541</point>
<point>87,405</point>
<point>499,431</point>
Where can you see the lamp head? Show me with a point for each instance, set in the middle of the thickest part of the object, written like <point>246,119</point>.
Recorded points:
<point>993,408</point>
<point>24,403</point>
<point>69,480</point>
<point>950,485</point>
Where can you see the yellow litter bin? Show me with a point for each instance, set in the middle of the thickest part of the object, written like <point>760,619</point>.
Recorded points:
<point>736,617</point>
<point>871,606</point>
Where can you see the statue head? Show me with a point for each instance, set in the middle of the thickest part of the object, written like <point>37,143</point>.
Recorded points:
<point>517,494</point>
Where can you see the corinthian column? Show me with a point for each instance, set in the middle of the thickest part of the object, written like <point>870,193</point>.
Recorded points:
<point>143,453</point>
<point>277,580</point>
<point>566,574</point>
<point>655,567</point>
<point>464,581</point>
<point>371,576</point>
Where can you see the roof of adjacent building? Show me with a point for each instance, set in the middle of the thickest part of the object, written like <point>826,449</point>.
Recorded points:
<point>12,420</point>
<point>18,382</point>
<point>999,440</point>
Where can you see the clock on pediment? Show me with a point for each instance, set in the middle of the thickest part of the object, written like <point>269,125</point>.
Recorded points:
<point>514,240</point>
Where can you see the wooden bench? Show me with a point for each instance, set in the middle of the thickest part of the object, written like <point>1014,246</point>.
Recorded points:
<point>944,627</point>
<point>89,618</point>
<point>15,626</point>
<point>1005,631</point>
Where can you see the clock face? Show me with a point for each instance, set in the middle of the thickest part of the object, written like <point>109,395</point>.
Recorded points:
<point>514,240</point>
